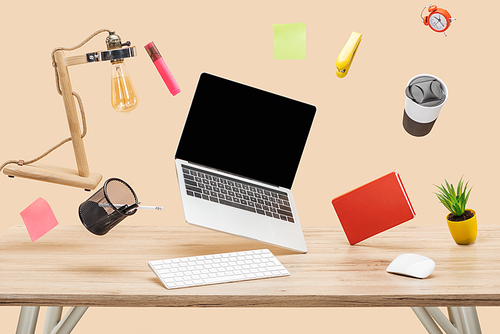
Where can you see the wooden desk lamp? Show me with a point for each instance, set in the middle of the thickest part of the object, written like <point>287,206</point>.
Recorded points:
<point>82,177</point>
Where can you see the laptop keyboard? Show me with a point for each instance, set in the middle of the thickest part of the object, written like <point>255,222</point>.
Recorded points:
<point>213,187</point>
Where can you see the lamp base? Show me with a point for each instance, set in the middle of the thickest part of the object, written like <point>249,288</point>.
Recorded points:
<point>54,174</point>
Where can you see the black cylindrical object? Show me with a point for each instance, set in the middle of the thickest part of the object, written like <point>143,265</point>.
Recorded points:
<point>108,206</point>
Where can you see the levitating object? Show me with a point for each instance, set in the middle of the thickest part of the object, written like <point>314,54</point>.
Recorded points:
<point>425,96</point>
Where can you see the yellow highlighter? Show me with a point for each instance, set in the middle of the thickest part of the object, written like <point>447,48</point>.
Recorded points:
<point>346,56</point>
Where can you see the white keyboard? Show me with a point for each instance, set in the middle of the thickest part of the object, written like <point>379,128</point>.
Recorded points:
<point>217,268</point>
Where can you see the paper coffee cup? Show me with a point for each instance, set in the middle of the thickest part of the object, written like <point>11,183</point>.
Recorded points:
<point>425,96</point>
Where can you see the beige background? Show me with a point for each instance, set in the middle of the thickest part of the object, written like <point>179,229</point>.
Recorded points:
<point>357,135</point>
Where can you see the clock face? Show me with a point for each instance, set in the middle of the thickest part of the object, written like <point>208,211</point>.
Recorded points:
<point>438,22</point>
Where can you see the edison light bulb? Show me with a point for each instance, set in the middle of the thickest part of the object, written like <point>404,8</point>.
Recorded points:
<point>123,97</point>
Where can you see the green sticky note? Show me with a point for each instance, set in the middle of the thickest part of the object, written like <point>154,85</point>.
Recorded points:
<point>289,41</point>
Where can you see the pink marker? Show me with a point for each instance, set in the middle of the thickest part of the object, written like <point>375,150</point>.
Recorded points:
<point>167,77</point>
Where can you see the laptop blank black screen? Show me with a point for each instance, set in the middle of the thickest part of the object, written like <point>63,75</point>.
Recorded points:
<point>245,131</point>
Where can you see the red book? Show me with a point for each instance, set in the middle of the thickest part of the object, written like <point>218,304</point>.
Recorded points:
<point>373,208</point>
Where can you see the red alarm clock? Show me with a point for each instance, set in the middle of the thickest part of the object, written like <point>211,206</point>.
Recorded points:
<point>438,19</point>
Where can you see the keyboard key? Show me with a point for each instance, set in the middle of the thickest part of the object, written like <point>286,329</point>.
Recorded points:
<point>191,183</point>
<point>224,279</point>
<point>237,205</point>
<point>285,213</point>
<point>196,189</point>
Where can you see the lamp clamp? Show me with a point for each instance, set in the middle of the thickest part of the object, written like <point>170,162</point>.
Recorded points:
<point>111,55</point>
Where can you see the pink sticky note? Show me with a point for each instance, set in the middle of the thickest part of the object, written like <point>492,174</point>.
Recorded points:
<point>38,218</point>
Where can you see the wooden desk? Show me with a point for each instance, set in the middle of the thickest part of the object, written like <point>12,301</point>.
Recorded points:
<point>71,267</point>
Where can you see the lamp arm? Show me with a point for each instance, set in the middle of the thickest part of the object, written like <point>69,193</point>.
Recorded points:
<point>71,49</point>
<point>58,88</point>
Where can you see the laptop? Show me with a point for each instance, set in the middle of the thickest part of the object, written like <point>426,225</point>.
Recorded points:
<point>237,158</point>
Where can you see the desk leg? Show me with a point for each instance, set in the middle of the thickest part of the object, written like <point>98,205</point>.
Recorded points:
<point>469,320</point>
<point>71,318</point>
<point>27,320</point>
<point>52,318</point>
<point>463,320</point>
<point>447,325</point>
<point>426,320</point>
<point>455,319</point>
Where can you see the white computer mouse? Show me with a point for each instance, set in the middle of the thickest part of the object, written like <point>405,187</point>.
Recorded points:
<point>412,265</point>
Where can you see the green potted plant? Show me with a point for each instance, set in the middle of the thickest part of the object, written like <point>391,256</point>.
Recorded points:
<point>462,222</point>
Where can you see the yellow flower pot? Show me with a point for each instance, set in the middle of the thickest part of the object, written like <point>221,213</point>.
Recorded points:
<point>464,232</point>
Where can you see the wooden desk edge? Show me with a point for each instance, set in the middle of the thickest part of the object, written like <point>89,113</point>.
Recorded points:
<point>250,301</point>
